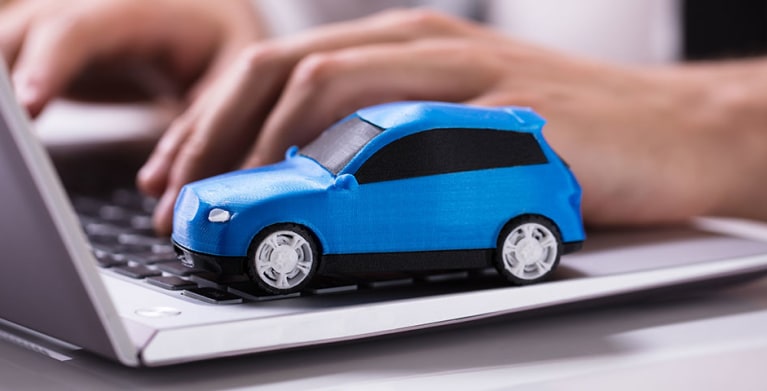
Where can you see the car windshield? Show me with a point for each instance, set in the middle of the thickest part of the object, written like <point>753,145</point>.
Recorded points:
<point>337,145</point>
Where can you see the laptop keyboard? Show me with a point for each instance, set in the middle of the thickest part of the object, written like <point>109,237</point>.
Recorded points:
<point>122,239</point>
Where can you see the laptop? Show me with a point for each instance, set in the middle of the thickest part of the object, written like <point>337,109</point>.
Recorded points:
<point>94,280</point>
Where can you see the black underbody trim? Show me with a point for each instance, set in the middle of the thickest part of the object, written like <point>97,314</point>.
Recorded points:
<point>331,264</point>
<point>212,263</point>
<point>405,261</point>
<point>572,247</point>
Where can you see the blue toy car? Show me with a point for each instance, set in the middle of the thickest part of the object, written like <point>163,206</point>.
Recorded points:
<point>406,186</point>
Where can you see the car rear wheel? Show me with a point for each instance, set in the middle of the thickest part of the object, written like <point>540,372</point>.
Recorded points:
<point>528,250</point>
<point>283,258</point>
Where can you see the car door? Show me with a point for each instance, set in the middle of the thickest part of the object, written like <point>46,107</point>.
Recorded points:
<point>431,191</point>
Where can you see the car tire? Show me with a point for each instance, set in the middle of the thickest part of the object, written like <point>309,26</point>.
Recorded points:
<point>529,248</point>
<point>283,258</point>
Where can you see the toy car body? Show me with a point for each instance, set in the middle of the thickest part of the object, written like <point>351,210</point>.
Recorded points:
<point>406,186</point>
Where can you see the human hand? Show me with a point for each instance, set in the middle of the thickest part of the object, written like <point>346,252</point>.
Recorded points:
<point>49,43</point>
<point>216,133</point>
<point>639,139</point>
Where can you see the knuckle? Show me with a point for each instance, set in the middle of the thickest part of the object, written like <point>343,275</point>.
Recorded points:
<point>194,150</point>
<point>258,55</point>
<point>528,99</point>
<point>166,146</point>
<point>170,141</point>
<point>422,20</point>
<point>64,25</point>
<point>316,69</point>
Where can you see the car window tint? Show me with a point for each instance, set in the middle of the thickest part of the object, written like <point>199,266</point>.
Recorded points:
<point>444,151</point>
<point>337,146</point>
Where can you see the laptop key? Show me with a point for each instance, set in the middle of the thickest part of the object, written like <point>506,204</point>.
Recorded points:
<point>132,199</point>
<point>107,259</point>
<point>172,283</point>
<point>249,291</point>
<point>152,259</point>
<point>217,280</point>
<point>163,248</point>
<point>212,295</point>
<point>177,268</point>
<point>87,205</point>
<point>325,285</point>
<point>141,223</point>
<point>143,240</point>
<point>138,271</point>
<point>114,213</point>
<point>119,248</point>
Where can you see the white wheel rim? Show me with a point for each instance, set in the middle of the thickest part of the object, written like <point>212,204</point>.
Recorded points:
<point>284,259</point>
<point>529,251</point>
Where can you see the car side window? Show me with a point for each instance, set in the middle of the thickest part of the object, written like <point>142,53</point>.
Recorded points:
<point>443,151</point>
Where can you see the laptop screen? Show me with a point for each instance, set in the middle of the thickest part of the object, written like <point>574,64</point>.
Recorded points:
<point>40,288</point>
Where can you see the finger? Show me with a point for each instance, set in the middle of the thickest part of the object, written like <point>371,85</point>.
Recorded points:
<point>53,53</point>
<point>385,27</point>
<point>492,99</point>
<point>253,86</point>
<point>162,219</point>
<point>228,55</point>
<point>267,66</point>
<point>237,38</point>
<point>221,120</point>
<point>152,178</point>
<point>389,26</point>
<point>216,131</point>
<point>219,132</point>
<point>14,20</point>
<point>325,88</point>
<point>61,44</point>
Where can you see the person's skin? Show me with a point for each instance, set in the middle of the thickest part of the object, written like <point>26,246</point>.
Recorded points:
<point>649,145</point>
<point>50,43</point>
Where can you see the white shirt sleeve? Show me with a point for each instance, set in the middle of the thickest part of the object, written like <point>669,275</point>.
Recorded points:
<point>289,16</point>
<point>629,31</point>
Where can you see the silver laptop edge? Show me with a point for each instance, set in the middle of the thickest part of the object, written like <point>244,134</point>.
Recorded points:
<point>273,333</point>
<point>65,222</point>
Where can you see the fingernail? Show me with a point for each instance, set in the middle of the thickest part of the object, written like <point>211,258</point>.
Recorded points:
<point>145,174</point>
<point>149,180</point>
<point>28,94</point>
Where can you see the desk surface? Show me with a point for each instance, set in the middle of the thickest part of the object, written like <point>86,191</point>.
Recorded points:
<point>703,340</point>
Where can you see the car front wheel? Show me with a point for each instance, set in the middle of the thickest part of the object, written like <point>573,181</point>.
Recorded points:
<point>528,251</point>
<point>283,258</point>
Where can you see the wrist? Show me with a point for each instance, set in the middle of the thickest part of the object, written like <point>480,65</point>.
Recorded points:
<point>728,118</point>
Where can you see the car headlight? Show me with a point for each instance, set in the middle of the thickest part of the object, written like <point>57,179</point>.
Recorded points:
<point>218,215</point>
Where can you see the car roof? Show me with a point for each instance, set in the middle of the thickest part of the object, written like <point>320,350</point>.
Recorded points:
<point>433,115</point>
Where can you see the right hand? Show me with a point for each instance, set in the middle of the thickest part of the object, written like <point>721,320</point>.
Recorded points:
<point>49,43</point>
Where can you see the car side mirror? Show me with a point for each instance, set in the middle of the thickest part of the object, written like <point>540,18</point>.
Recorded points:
<point>291,152</point>
<point>346,182</point>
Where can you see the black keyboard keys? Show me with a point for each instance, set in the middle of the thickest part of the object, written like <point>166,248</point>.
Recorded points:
<point>212,295</point>
<point>172,283</point>
<point>137,271</point>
